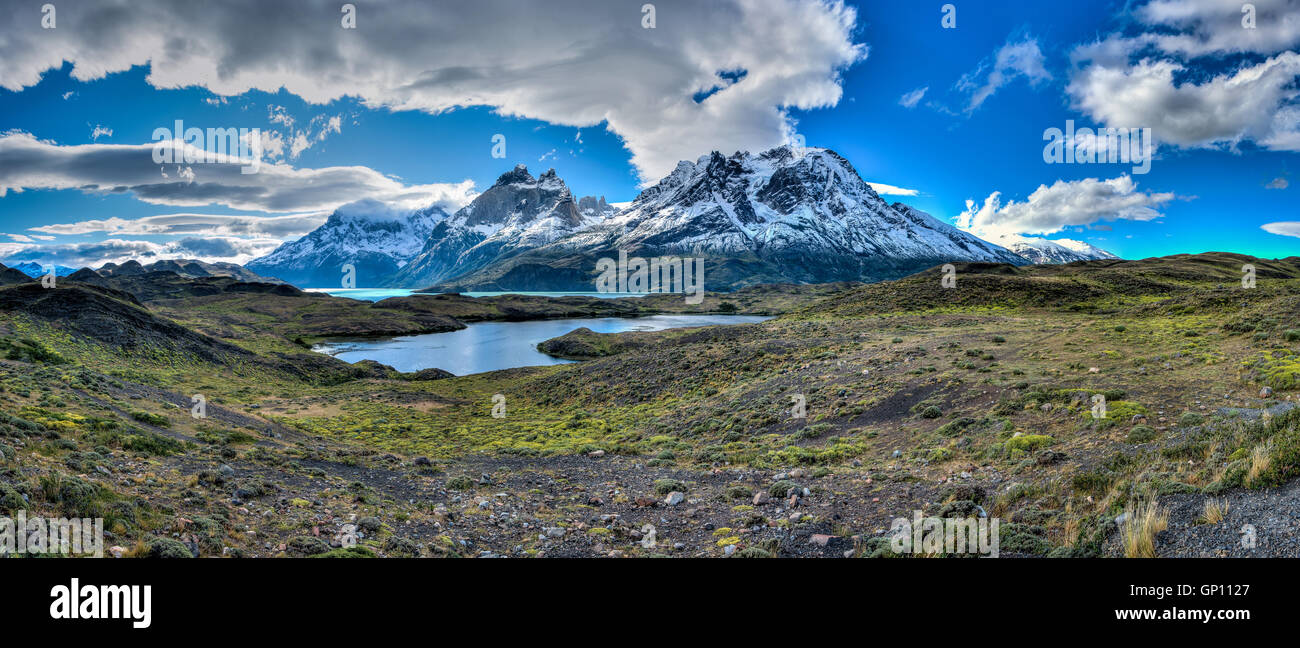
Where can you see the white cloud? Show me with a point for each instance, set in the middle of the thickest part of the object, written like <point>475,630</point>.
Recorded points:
<point>1223,110</point>
<point>1171,78</point>
<point>1284,228</point>
<point>882,188</point>
<point>911,98</point>
<point>100,131</point>
<point>1012,60</point>
<point>579,63</point>
<point>1064,204</point>
<point>299,139</point>
<point>29,163</point>
<point>1277,183</point>
<point>1216,27</point>
<point>97,253</point>
<point>282,227</point>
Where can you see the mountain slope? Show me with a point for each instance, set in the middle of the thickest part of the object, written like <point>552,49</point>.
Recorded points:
<point>375,239</point>
<point>190,268</point>
<point>800,216</point>
<point>516,214</point>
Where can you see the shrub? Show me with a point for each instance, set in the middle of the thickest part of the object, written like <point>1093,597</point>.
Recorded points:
<point>812,431</point>
<point>461,483</point>
<point>1141,434</point>
<point>953,428</point>
<point>307,546</point>
<point>739,492</point>
<point>666,486</point>
<point>931,412</point>
<point>1028,442</point>
<point>167,548</point>
<point>150,443</point>
<point>401,547</point>
<point>1093,482</point>
<point>779,489</point>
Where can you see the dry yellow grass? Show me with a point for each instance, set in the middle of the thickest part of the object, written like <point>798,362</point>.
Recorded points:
<point>1215,510</point>
<point>1144,521</point>
<point>1260,460</point>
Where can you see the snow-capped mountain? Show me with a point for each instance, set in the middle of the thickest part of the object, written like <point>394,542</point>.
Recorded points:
<point>784,215</point>
<point>34,269</point>
<point>516,214</point>
<point>1041,250</point>
<point>375,239</point>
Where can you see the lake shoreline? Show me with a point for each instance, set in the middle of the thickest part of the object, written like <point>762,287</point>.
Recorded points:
<point>483,347</point>
<point>445,312</point>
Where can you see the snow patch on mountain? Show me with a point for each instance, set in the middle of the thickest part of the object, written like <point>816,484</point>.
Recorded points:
<point>516,214</point>
<point>375,239</point>
<point>1041,250</point>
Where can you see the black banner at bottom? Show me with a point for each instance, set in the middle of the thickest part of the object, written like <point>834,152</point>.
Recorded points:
<point>306,598</point>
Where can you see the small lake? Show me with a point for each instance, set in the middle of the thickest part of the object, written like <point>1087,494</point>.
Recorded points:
<point>376,294</point>
<point>489,346</point>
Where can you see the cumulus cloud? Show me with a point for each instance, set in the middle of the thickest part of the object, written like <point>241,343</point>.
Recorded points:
<point>1224,110</point>
<point>1216,27</point>
<point>910,99</point>
<point>1284,228</point>
<point>1064,204</point>
<point>1277,183</point>
<point>29,163</point>
<point>578,63</point>
<point>100,131</point>
<point>1022,58</point>
<point>1171,77</point>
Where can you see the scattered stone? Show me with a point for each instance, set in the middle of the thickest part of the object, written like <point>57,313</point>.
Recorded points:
<point>674,498</point>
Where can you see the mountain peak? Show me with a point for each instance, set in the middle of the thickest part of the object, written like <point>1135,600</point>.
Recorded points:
<point>517,175</point>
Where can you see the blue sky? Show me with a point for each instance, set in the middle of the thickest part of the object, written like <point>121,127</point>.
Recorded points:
<point>609,104</point>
